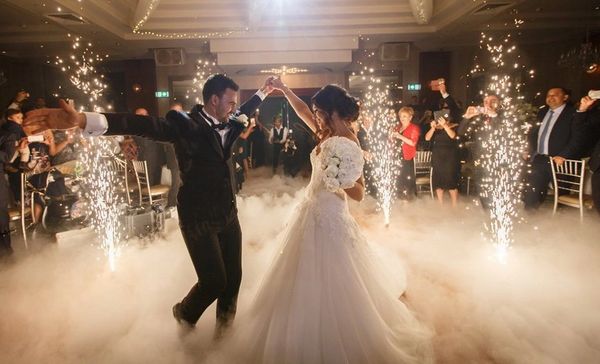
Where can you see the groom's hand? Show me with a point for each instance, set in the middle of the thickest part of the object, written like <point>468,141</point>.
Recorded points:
<point>65,117</point>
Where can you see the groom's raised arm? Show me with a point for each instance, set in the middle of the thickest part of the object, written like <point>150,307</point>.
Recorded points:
<point>159,129</point>
<point>96,124</point>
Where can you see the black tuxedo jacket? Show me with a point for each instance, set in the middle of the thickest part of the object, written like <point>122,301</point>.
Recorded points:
<point>589,122</point>
<point>207,192</point>
<point>565,138</point>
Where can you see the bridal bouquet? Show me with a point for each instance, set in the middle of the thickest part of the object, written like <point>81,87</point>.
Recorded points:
<point>342,163</point>
<point>239,118</point>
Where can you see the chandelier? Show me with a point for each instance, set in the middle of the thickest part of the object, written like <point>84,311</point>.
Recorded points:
<point>586,57</point>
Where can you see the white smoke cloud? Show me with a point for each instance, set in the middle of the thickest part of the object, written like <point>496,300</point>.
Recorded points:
<point>61,303</point>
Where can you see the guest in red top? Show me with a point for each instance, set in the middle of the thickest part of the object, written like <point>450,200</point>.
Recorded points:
<point>408,135</point>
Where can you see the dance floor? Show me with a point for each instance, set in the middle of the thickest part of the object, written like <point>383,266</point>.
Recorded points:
<point>60,303</point>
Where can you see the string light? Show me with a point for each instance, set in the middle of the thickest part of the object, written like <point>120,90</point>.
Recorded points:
<point>137,29</point>
<point>284,70</point>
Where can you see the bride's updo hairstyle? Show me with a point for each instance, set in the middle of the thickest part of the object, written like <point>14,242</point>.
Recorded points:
<point>333,98</point>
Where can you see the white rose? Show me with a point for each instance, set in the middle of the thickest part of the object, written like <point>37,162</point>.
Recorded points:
<point>331,184</point>
<point>332,171</point>
<point>242,119</point>
<point>335,160</point>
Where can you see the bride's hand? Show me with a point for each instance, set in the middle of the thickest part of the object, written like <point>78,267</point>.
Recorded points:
<point>278,84</point>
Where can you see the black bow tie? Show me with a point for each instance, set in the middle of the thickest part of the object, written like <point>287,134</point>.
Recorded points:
<point>220,126</point>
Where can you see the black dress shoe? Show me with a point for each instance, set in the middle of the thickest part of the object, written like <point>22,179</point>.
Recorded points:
<point>178,314</point>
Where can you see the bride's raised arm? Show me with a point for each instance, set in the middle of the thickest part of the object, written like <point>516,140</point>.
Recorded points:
<point>300,107</point>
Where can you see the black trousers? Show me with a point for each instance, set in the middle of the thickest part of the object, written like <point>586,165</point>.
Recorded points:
<point>173,166</point>
<point>537,182</point>
<point>596,189</point>
<point>407,187</point>
<point>216,253</point>
<point>276,153</point>
<point>5,245</point>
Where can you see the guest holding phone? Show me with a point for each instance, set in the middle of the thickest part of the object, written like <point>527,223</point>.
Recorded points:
<point>444,157</point>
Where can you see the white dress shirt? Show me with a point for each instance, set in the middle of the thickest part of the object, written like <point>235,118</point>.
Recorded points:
<point>283,138</point>
<point>545,121</point>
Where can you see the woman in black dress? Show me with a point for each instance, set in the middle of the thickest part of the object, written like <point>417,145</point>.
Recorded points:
<point>444,158</point>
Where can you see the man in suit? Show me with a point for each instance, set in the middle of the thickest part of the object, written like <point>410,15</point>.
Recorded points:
<point>556,136</point>
<point>588,118</point>
<point>206,206</point>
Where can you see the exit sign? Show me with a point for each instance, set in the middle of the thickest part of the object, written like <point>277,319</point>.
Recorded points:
<point>161,94</point>
<point>414,86</point>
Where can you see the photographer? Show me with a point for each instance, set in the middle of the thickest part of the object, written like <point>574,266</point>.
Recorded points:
<point>8,151</point>
<point>477,124</point>
<point>12,126</point>
<point>50,182</point>
<point>444,157</point>
<point>19,100</point>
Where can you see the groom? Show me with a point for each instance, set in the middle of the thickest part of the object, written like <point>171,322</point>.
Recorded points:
<point>206,199</point>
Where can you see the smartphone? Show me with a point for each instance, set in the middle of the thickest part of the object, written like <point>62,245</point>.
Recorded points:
<point>435,84</point>
<point>35,138</point>
<point>440,114</point>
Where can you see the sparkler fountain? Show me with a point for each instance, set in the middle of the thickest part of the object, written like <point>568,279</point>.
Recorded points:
<point>503,142</point>
<point>100,181</point>
<point>384,162</point>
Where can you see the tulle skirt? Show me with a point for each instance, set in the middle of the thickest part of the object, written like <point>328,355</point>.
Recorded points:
<point>327,299</point>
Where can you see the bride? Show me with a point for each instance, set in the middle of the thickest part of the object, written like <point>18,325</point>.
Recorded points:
<point>325,299</point>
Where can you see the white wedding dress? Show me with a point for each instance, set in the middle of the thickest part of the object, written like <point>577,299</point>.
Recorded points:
<point>325,298</point>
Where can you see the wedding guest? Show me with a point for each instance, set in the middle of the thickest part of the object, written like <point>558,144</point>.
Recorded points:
<point>258,141</point>
<point>444,159</point>
<point>477,125</point>
<point>588,118</point>
<point>18,101</point>
<point>8,148</point>
<point>14,120</point>
<point>277,137</point>
<point>408,134</point>
<point>556,137</point>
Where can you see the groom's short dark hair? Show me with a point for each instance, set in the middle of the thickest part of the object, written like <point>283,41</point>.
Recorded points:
<point>216,85</point>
